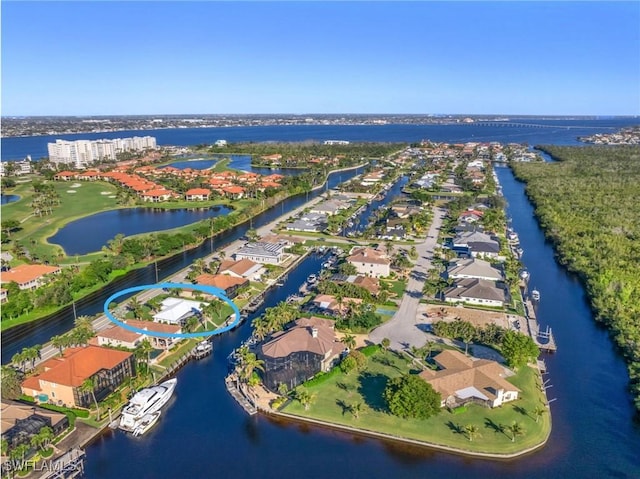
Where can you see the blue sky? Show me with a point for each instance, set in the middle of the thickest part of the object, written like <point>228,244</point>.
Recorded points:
<point>95,58</point>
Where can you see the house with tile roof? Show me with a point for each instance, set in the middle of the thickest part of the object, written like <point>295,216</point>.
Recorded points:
<point>297,354</point>
<point>197,194</point>
<point>61,378</point>
<point>473,268</point>
<point>115,336</point>
<point>475,291</point>
<point>228,283</point>
<point>244,268</point>
<point>28,276</point>
<point>370,262</point>
<point>20,422</point>
<point>462,379</point>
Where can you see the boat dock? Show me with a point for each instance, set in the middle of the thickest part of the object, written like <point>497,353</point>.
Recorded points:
<point>239,396</point>
<point>67,466</point>
<point>544,340</point>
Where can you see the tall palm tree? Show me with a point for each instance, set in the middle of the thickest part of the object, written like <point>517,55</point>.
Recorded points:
<point>249,364</point>
<point>355,409</point>
<point>472,431</point>
<point>89,386</point>
<point>516,430</point>
<point>538,412</point>
<point>135,307</point>
<point>305,398</point>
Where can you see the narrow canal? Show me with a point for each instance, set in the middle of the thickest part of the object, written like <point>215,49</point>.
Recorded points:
<point>203,433</point>
<point>39,332</point>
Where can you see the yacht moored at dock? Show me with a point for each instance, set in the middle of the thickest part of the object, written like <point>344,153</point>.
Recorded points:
<point>144,402</point>
<point>146,423</point>
<point>535,295</point>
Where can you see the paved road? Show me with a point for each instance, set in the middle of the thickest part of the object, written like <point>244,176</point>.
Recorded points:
<point>404,328</point>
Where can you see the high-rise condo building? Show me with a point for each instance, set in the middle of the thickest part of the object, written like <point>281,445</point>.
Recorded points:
<point>82,153</point>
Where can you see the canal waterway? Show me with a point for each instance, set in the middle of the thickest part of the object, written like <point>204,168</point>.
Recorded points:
<point>593,433</point>
<point>361,221</point>
<point>39,332</point>
<point>73,237</point>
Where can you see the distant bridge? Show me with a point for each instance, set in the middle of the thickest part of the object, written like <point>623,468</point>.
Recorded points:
<point>534,125</point>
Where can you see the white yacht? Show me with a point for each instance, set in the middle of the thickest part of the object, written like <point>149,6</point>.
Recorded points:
<point>146,401</point>
<point>146,423</point>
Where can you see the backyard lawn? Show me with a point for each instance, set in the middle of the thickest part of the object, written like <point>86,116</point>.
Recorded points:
<point>338,392</point>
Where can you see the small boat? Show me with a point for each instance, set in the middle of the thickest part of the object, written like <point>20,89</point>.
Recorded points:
<point>204,348</point>
<point>312,278</point>
<point>146,423</point>
<point>535,295</point>
<point>524,274</point>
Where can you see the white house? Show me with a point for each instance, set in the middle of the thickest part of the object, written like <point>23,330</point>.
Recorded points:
<point>475,291</point>
<point>176,310</point>
<point>474,268</point>
<point>260,252</point>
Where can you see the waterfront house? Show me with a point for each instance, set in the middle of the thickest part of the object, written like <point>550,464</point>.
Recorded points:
<point>177,310</point>
<point>197,194</point>
<point>20,422</point>
<point>227,283</point>
<point>291,357</point>
<point>462,379</point>
<point>61,378</point>
<point>475,291</point>
<point>367,282</point>
<point>329,304</point>
<point>233,192</point>
<point>115,336</point>
<point>370,262</point>
<point>244,268</point>
<point>262,252</point>
<point>311,222</point>
<point>157,195</point>
<point>28,276</point>
<point>479,244</point>
<point>473,268</point>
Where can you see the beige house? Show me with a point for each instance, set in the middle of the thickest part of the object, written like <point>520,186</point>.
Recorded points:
<point>370,262</point>
<point>61,378</point>
<point>28,276</point>
<point>462,379</point>
<point>244,268</point>
<point>475,291</point>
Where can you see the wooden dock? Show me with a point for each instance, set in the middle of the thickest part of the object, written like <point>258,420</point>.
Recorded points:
<point>544,340</point>
<point>239,396</point>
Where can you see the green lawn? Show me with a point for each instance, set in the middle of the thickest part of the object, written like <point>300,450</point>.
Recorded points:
<point>335,395</point>
<point>396,287</point>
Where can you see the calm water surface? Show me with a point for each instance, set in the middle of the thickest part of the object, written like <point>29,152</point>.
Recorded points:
<point>93,232</point>
<point>203,433</point>
<point>6,199</point>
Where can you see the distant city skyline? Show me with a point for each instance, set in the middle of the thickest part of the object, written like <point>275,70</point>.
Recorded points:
<point>172,58</point>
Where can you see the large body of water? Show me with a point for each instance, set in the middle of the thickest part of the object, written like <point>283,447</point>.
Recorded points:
<point>552,131</point>
<point>203,433</point>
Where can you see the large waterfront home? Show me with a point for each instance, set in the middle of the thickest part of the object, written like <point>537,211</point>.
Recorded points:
<point>370,262</point>
<point>244,268</point>
<point>261,252</point>
<point>475,291</point>
<point>28,276</point>
<point>61,378</point>
<point>302,351</point>
<point>177,310</point>
<point>473,268</point>
<point>228,283</point>
<point>115,336</point>
<point>478,244</point>
<point>461,379</point>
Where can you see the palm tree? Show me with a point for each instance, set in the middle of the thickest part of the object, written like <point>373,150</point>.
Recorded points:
<point>472,431</point>
<point>19,359</point>
<point>305,398</point>
<point>88,386</point>
<point>349,340</point>
<point>250,363</point>
<point>60,342</point>
<point>43,438</point>
<point>516,430</point>
<point>84,322</point>
<point>538,412</point>
<point>136,308</point>
<point>144,350</point>
<point>385,343</point>
<point>355,409</point>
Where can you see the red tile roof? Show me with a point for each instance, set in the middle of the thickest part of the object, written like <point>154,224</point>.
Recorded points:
<point>27,272</point>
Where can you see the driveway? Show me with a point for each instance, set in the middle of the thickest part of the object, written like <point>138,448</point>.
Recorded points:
<point>403,330</point>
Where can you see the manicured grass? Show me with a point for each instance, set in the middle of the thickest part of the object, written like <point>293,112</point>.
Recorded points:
<point>186,345</point>
<point>334,395</point>
<point>397,287</point>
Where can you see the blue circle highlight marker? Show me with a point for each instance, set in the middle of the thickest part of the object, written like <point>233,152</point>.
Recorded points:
<point>217,292</point>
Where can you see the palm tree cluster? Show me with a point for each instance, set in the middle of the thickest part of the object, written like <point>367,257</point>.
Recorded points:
<point>28,355</point>
<point>274,319</point>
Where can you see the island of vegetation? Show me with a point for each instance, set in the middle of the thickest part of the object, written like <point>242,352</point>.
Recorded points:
<point>587,204</point>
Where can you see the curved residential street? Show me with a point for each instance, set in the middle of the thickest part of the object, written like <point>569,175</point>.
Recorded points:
<point>403,330</point>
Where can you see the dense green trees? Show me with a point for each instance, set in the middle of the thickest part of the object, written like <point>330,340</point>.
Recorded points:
<point>409,396</point>
<point>587,204</point>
